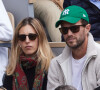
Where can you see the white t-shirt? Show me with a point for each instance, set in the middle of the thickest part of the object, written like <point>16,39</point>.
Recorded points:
<point>96,2</point>
<point>77,66</point>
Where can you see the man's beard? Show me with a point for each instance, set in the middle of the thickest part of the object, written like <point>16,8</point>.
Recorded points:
<point>78,44</point>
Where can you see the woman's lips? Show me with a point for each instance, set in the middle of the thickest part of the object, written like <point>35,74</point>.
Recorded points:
<point>28,47</point>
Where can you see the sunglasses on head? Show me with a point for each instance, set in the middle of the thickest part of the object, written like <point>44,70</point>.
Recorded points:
<point>22,37</point>
<point>73,29</point>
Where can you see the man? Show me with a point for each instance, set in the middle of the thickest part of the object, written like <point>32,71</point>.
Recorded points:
<point>93,9</point>
<point>6,33</point>
<point>79,63</point>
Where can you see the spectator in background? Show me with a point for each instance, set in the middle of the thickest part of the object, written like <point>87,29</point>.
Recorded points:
<point>93,9</point>
<point>65,87</point>
<point>79,63</point>
<point>6,33</point>
<point>48,12</point>
<point>30,57</point>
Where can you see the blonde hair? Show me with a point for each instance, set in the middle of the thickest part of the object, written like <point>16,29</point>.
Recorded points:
<point>44,51</point>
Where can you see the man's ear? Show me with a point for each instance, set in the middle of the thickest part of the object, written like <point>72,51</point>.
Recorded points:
<point>88,27</point>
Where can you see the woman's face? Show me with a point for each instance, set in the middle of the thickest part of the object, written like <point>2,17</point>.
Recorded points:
<point>28,40</point>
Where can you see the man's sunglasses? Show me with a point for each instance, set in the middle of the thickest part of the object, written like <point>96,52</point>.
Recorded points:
<point>74,29</point>
<point>22,37</point>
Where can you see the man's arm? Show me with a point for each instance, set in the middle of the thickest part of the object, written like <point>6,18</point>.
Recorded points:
<point>53,80</point>
<point>6,31</point>
<point>98,74</point>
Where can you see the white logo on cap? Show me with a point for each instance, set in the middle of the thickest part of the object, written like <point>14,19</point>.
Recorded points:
<point>65,12</point>
<point>84,15</point>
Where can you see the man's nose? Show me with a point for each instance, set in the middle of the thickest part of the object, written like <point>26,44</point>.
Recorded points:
<point>69,32</point>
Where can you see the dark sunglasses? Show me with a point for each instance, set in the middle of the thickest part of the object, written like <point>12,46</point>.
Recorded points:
<point>22,37</point>
<point>74,29</point>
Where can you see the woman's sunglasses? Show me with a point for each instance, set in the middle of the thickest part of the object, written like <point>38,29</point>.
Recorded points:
<point>73,29</point>
<point>22,37</point>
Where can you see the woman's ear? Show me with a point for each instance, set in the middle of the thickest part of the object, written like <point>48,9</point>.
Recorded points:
<point>19,43</point>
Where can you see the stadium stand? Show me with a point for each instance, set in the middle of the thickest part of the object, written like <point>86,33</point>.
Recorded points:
<point>20,9</point>
<point>16,14</point>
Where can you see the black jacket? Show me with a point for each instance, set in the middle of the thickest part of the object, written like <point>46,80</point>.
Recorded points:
<point>93,12</point>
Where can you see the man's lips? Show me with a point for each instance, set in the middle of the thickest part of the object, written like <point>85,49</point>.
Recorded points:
<point>70,39</point>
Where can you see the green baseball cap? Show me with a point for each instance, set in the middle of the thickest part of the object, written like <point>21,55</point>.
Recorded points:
<point>72,14</point>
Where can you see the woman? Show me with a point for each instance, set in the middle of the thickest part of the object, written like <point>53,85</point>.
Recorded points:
<point>30,57</point>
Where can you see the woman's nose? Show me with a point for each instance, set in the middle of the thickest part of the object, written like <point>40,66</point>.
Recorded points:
<point>27,39</point>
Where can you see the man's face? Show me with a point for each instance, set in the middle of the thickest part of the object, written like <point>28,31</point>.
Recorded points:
<point>76,37</point>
